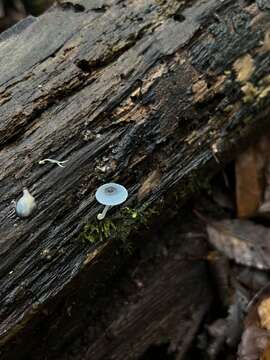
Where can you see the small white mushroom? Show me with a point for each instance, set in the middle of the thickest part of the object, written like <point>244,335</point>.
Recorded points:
<point>110,194</point>
<point>25,205</point>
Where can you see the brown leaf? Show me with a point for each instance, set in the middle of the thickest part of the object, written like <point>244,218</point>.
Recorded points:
<point>266,354</point>
<point>253,343</point>
<point>264,313</point>
<point>249,172</point>
<point>264,209</point>
<point>241,240</point>
<point>256,337</point>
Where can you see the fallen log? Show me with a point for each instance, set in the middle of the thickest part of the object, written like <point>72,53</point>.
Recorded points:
<point>156,95</point>
<point>151,311</point>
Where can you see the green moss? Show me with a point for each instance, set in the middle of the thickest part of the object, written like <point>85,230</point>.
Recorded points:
<point>98,230</point>
<point>256,92</point>
<point>118,226</point>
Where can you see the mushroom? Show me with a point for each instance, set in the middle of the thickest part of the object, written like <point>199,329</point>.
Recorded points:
<point>110,194</point>
<point>25,205</point>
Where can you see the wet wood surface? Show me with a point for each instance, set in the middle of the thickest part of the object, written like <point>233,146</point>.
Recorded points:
<point>152,310</point>
<point>156,95</point>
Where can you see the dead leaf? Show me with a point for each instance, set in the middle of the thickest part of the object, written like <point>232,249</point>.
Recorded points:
<point>264,209</point>
<point>226,332</point>
<point>253,343</point>
<point>250,174</point>
<point>241,240</point>
<point>266,353</point>
<point>255,339</point>
<point>248,184</point>
<point>264,313</point>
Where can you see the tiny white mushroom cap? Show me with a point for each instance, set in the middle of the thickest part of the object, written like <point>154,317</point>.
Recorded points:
<point>110,194</point>
<point>25,205</point>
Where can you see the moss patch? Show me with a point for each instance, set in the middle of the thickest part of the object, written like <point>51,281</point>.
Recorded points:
<point>117,227</point>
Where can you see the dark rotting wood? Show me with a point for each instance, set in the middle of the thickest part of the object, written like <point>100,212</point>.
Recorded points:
<point>160,301</point>
<point>139,92</point>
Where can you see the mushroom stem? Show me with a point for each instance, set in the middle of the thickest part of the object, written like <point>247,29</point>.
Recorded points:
<point>104,212</point>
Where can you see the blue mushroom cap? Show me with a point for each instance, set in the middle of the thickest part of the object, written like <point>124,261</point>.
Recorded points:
<point>111,194</point>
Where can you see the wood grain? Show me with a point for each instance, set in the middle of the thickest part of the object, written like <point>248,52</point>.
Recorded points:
<point>69,87</point>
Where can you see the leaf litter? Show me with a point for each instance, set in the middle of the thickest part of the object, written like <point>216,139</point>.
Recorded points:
<point>242,283</point>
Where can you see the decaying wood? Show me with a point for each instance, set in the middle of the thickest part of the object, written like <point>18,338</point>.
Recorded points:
<point>151,306</point>
<point>152,94</point>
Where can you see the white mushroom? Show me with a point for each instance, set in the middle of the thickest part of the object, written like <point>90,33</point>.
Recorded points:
<point>110,194</point>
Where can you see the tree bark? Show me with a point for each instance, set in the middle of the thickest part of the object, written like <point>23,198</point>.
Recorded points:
<point>156,95</point>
